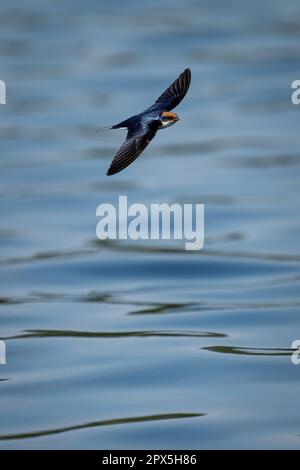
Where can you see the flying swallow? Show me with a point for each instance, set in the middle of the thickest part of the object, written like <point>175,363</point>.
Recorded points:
<point>143,127</point>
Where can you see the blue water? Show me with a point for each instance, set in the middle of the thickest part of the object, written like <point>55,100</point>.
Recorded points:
<point>141,344</point>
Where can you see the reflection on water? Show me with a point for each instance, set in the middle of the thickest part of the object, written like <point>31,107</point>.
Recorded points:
<point>113,344</point>
<point>250,351</point>
<point>112,334</point>
<point>108,422</point>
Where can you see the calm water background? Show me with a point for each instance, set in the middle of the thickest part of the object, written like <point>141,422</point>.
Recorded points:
<point>141,344</point>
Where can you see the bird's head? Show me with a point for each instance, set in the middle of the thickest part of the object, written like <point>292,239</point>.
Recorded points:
<point>168,118</point>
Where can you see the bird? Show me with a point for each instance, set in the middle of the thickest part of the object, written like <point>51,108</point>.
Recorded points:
<point>142,127</point>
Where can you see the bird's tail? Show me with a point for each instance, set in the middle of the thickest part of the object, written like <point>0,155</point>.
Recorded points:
<point>106,128</point>
<point>121,125</point>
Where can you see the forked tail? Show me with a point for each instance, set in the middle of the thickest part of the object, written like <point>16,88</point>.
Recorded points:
<point>106,128</point>
<point>121,125</point>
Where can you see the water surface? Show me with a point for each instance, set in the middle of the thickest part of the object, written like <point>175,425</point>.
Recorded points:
<point>142,344</point>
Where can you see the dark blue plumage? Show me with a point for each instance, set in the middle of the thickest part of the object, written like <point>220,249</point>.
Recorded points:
<point>143,127</point>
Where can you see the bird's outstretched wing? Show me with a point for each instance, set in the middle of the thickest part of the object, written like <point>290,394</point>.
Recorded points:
<point>133,146</point>
<point>173,95</point>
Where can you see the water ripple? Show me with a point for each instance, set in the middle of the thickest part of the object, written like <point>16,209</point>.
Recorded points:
<point>113,334</point>
<point>245,351</point>
<point>105,422</point>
